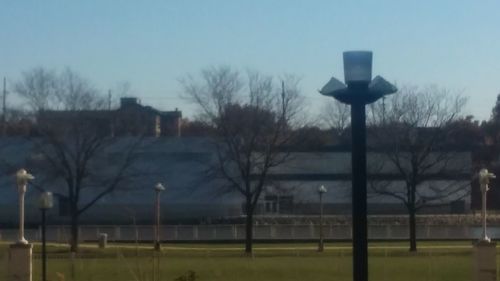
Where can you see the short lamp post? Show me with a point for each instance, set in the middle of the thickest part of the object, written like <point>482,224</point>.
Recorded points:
<point>321,245</point>
<point>484,182</point>
<point>158,189</point>
<point>22,179</point>
<point>359,91</point>
<point>46,202</point>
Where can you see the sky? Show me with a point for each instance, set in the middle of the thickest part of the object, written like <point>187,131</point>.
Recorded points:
<point>152,44</point>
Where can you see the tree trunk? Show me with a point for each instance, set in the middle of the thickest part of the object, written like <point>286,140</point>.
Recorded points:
<point>249,228</point>
<point>74,233</point>
<point>413,233</point>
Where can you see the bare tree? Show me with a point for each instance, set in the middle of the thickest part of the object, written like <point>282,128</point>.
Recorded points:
<point>76,93</point>
<point>73,144</point>
<point>491,128</point>
<point>76,159</point>
<point>336,115</point>
<point>47,90</point>
<point>39,87</point>
<point>412,130</point>
<point>124,89</point>
<point>252,123</point>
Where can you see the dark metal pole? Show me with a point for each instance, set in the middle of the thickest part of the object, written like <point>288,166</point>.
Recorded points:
<point>157,232</point>
<point>44,249</point>
<point>360,90</point>
<point>359,239</point>
<point>321,245</point>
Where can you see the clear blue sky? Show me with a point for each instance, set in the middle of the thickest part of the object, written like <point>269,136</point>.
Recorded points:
<point>455,44</point>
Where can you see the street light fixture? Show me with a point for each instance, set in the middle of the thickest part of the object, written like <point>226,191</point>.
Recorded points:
<point>357,67</point>
<point>360,90</point>
<point>46,202</point>
<point>321,191</point>
<point>158,189</point>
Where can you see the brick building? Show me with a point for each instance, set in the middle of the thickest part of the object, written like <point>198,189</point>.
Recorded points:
<point>130,119</point>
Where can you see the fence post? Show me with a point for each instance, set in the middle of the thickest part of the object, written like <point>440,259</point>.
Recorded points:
<point>118,233</point>
<point>195,232</point>
<point>39,234</point>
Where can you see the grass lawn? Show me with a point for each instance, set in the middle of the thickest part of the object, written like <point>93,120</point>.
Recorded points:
<point>438,261</point>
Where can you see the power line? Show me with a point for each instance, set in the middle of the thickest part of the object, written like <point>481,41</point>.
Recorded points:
<point>162,98</point>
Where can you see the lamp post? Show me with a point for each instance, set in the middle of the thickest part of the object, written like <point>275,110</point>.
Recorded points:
<point>46,202</point>
<point>22,178</point>
<point>321,191</point>
<point>484,181</point>
<point>360,90</point>
<point>158,189</point>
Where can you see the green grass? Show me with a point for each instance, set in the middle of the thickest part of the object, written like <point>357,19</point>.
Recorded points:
<point>300,261</point>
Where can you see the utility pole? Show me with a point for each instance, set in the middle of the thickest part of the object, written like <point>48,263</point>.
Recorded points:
<point>109,99</point>
<point>4,107</point>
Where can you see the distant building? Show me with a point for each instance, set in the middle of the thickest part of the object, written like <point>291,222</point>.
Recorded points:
<point>180,164</point>
<point>130,119</point>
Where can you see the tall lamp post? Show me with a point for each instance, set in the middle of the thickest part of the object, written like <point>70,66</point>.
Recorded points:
<point>321,191</point>
<point>158,189</point>
<point>360,91</point>
<point>46,202</point>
